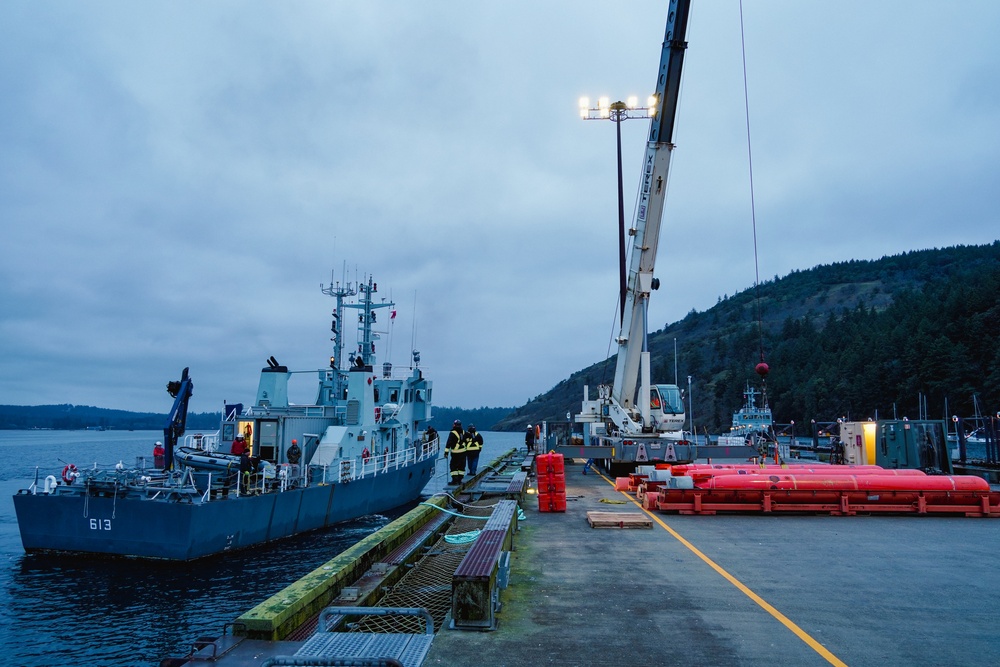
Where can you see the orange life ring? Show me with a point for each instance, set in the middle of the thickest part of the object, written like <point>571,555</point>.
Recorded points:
<point>69,473</point>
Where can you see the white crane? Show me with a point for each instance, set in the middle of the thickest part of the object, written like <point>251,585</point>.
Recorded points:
<point>634,421</point>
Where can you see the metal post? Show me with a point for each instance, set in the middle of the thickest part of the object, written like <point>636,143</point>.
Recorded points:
<point>691,410</point>
<point>618,116</point>
<point>617,112</point>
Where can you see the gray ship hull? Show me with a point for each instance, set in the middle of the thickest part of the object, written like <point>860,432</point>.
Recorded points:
<point>186,530</point>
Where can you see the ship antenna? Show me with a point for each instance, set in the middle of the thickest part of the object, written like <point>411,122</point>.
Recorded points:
<point>413,329</point>
<point>392,327</point>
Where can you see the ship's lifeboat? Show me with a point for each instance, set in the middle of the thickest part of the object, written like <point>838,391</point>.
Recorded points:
<point>199,459</point>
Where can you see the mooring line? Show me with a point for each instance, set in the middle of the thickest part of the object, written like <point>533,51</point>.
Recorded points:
<point>766,606</point>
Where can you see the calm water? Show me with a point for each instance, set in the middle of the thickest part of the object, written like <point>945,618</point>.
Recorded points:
<point>121,612</point>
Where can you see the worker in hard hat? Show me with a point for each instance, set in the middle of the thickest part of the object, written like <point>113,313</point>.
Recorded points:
<point>158,454</point>
<point>294,453</point>
<point>529,438</point>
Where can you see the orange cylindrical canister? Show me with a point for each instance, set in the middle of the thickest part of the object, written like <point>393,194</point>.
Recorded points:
<point>848,482</point>
<point>825,471</point>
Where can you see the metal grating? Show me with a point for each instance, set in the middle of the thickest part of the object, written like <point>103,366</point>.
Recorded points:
<point>428,584</point>
<point>410,650</point>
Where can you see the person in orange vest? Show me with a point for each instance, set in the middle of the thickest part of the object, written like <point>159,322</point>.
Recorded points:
<point>455,451</point>
<point>473,446</point>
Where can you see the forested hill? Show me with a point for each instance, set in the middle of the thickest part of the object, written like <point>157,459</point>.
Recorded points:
<point>482,418</point>
<point>75,417</point>
<point>842,340</point>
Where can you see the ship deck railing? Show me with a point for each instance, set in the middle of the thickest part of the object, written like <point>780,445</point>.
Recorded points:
<point>360,467</point>
<point>207,441</point>
<point>338,412</point>
<point>160,485</point>
<point>341,470</point>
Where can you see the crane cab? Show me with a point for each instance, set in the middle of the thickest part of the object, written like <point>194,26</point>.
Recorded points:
<point>666,407</point>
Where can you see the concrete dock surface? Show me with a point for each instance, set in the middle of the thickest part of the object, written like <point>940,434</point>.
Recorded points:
<point>739,590</point>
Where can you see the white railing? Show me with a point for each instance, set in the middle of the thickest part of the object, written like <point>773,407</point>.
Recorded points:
<point>286,476</point>
<point>206,441</point>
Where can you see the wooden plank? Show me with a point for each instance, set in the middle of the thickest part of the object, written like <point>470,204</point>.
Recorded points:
<point>618,520</point>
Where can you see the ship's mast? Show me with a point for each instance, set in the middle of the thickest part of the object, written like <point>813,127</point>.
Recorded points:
<point>339,292</point>
<point>367,318</point>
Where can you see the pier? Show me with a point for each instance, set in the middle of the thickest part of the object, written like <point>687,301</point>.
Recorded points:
<point>725,589</point>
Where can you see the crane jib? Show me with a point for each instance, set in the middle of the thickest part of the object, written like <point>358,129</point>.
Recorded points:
<point>649,210</point>
<point>661,130</point>
<point>633,407</point>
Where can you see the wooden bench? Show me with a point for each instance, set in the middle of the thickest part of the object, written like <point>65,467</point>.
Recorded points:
<point>475,595</point>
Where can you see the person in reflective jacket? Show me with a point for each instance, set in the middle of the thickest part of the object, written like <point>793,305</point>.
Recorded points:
<point>473,445</point>
<point>455,451</point>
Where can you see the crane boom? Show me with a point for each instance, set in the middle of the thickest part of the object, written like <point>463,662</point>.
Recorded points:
<point>646,226</point>
<point>623,427</point>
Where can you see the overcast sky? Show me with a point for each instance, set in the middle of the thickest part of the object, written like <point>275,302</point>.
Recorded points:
<point>178,178</point>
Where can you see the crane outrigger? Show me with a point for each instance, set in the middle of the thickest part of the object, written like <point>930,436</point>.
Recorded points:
<point>634,421</point>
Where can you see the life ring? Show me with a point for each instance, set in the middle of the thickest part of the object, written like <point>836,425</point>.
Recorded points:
<point>69,473</point>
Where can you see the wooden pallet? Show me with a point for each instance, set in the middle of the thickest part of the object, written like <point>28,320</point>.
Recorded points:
<point>618,520</point>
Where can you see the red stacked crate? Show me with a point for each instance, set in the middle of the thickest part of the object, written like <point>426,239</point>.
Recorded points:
<point>551,482</point>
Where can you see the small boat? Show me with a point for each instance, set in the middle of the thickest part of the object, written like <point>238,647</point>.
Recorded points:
<point>977,436</point>
<point>273,470</point>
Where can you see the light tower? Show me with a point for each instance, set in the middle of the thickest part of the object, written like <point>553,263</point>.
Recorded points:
<point>617,112</point>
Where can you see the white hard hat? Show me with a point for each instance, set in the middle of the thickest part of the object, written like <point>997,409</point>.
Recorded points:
<point>158,442</point>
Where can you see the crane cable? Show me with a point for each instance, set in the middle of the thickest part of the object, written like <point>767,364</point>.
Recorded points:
<point>762,368</point>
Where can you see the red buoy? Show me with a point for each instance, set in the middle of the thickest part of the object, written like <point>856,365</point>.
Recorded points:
<point>762,369</point>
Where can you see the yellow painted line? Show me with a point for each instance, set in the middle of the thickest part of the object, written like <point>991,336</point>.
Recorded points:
<point>784,620</point>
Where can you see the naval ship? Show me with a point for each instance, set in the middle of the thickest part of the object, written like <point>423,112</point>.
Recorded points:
<point>272,470</point>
